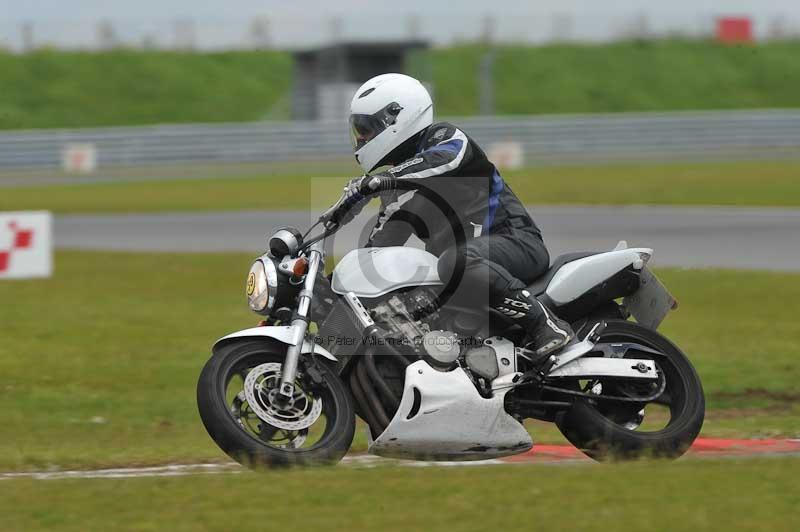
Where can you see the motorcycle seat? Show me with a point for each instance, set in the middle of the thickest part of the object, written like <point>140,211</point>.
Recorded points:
<point>538,286</point>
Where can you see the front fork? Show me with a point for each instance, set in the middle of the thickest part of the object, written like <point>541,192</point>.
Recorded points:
<point>299,327</point>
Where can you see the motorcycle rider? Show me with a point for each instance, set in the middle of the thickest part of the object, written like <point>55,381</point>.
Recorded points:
<point>391,122</point>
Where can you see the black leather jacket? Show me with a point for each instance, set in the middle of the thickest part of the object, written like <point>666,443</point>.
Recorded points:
<point>455,169</point>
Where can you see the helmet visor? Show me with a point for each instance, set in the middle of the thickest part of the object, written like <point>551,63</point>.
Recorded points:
<point>364,128</point>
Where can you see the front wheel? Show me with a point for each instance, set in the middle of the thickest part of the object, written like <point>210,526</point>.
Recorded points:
<point>665,427</point>
<point>235,397</point>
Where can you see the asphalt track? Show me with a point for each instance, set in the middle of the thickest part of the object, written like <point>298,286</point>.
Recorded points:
<point>719,237</point>
<point>540,454</point>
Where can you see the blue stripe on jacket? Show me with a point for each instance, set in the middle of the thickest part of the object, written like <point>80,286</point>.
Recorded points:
<point>494,202</point>
<point>452,146</point>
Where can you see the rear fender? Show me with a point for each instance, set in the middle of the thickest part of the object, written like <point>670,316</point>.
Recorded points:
<point>283,334</point>
<point>576,278</point>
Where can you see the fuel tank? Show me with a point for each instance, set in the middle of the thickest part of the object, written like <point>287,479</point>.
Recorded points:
<point>373,272</point>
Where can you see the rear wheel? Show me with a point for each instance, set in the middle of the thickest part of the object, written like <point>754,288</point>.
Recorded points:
<point>235,397</point>
<point>665,427</point>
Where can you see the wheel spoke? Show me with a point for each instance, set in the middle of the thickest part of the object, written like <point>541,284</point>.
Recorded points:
<point>256,412</point>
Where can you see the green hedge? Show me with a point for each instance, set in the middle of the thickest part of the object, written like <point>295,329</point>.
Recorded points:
<point>631,76</point>
<point>74,89</point>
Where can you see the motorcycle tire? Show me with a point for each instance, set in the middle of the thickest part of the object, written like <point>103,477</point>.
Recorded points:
<point>601,438</point>
<point>243,446</point>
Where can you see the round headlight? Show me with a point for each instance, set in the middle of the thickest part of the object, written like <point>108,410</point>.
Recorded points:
<point>262,286</point>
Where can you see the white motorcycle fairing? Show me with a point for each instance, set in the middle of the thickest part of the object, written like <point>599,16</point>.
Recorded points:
<point>442,416</point>
<point>286,335</point>
<point>576,278</point>
<point>373,272</point>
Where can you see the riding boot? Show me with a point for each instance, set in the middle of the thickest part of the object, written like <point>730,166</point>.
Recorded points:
<point>545,332</point>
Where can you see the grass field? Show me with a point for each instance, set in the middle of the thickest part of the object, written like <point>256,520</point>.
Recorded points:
<point>49,88</point>
<point>775,183</point>
<point>99,364</point>
<point>627,76</point>
<point>685,496</point>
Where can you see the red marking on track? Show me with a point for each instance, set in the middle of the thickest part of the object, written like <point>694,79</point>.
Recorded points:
<point>713,447</point>
<point>703,447</point>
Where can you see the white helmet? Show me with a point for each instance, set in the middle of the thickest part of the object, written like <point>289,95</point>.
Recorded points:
<point>385,112</point>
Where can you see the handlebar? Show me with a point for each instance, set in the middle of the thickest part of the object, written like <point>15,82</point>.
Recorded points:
<point>330,228</point>
<point>326,216</point>
<point>366,189</point>
<point>376,185</point>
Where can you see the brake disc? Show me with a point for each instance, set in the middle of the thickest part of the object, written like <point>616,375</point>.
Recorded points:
<point>261,388</point>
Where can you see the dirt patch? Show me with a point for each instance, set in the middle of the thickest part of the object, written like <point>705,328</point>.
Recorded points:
<point>760,393</point>
<point>739,413</point>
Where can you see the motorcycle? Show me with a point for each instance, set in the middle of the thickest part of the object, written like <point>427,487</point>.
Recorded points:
<point>433,381</point>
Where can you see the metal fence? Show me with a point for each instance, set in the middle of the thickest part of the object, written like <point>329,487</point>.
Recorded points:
<point>542,139</point>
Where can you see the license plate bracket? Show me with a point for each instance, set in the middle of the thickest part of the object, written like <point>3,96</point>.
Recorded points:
<point>651,303</point>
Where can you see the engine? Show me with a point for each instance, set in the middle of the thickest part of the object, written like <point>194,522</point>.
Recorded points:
<point>416,329</point>
<point>412,318</point>
<point>407,315</point>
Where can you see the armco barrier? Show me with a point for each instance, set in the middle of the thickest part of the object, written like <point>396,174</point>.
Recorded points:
<point>544,139</point>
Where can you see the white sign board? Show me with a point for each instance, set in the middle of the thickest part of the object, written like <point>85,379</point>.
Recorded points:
<point>506,155</point>
<point>26,245</point>
<point>79,158</point>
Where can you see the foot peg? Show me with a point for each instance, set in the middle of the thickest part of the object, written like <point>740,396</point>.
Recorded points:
<point>543,366</point>
<point>579,349</point>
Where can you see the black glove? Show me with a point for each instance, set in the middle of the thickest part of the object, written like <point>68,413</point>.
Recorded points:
<point>349,209</point>
<point>357,193</point>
